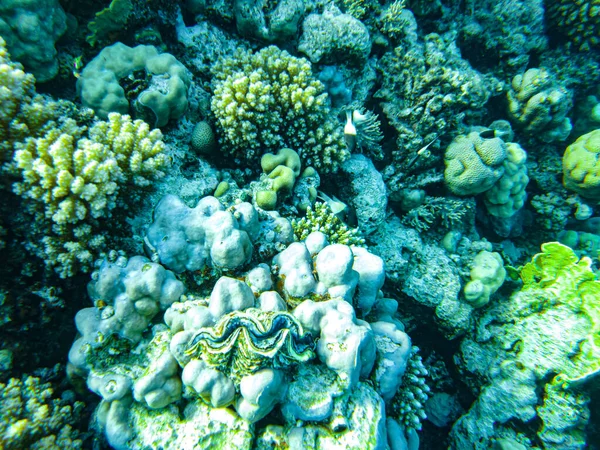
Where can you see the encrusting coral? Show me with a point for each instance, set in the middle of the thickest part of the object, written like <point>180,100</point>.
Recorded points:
<point>270,100</point>
<point>539,354</point>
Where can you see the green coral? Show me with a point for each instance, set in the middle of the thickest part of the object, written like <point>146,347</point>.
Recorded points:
<point>487,275</point>
<point>321,218</point>
<point>539,105</point>
<point>282,170</point>
<point>558,269</point>
<point>110,20</point>
<point>579,20</point>
<point>538,353</point>
<point>473,164</point>
<point>507,196</point>
<point>270,100</point>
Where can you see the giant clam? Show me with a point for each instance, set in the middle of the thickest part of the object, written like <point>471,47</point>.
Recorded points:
<point>243,342</point>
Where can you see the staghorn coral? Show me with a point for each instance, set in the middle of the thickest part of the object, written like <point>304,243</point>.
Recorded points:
<point>269,100</point>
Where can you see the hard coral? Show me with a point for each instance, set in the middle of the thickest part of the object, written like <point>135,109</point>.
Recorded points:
<point>270,100</point>
<point>68,181</point>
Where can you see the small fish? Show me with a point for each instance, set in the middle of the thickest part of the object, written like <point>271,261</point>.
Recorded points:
<point>77,66</point>
<point>422,152</point>
<point>350,132</point>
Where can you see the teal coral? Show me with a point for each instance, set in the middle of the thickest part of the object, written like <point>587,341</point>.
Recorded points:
<point>321,218</point>
<point>108,21</point>
<point>164,99</point>
<point>31,28</point>
<point>270,100</point>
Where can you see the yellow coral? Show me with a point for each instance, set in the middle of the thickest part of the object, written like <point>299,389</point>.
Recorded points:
<point>581,168</point>
<point>69,181</point>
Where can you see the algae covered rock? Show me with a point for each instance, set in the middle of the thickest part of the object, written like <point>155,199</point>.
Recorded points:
<point>538,354</point>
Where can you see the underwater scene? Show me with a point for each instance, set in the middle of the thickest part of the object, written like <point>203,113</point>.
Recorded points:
<point>300,224</point>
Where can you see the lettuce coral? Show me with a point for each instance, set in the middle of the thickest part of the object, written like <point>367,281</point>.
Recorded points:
<point>270,100</point>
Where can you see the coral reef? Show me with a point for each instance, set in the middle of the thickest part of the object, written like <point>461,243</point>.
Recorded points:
<point>337,202</point>
<point>333,36</point>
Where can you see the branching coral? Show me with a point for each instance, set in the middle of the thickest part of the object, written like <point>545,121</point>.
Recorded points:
<point>68,181</point>
<point>270,100</point>
<point>33,418</point>
<point>409,402</point>
<point>321,218</point>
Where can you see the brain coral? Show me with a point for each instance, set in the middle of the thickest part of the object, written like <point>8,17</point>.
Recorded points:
<point>269,100</point>
<point>473,164</point>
